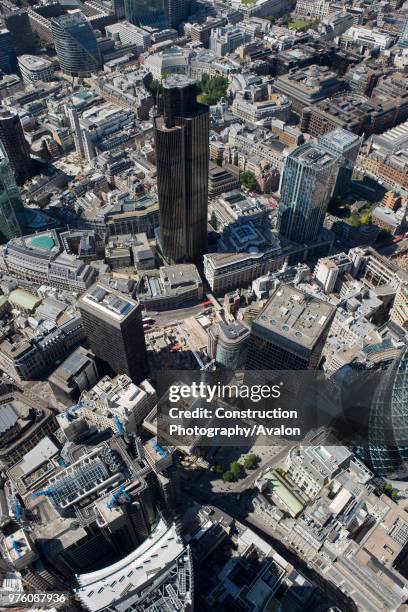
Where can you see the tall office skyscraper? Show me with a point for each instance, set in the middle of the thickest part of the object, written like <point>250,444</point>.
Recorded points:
<point>8,58</point>
<point>177,11</point>
<point>307,184</point>
<point>347,146</point>
<point>19,26</point>
<point>290,332</point>
<point>15,145</point>
<point>118,7</point>
<point>145,13</point>
<point>12,215</point>
<point>75,43</point>
<point>387,450</point>
<point>403,39</point>
<point>182,152</point>
<point>114,328</point>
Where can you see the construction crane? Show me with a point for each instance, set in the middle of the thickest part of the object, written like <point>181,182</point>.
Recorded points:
<point>17,508</point>
<point>200,362</point>
<point>16,547</point>
<point>116,496</point>
<point>159,449</point>
<point>46,492</point>
<point>71,412</point>
<point>119,425</point>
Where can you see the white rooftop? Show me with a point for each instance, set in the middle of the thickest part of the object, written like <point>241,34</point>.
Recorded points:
<point>102,588</point>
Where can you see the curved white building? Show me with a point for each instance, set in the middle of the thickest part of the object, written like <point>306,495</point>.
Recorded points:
<point>160,566</point>
<point>35,68</point>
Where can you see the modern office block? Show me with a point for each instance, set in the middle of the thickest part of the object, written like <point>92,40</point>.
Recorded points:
<point>347,146</point>
<point>19,26</point>
<point>290,332</point>
<point>12,214</point>
<point>15,145</point>
<point>307,184</point>
<point>181,137</point>
<point>114,328</point>
<point>8,58</point>
<point>75,43</point>
<point>228,344</point>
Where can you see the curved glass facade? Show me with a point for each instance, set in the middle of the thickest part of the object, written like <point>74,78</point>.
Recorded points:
<point>11,206</point>
<point>76,46</point>
<point>388,422</point>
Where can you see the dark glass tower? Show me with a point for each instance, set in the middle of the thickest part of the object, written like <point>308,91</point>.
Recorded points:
<point>387,451</point>
<point>8,58</point>
<point>177,11</point>
<point>114,328</point>
<point>76,46</point>
<point>15,145</point>
<point>12,215</point>
<point>182,151</point>
<point>146,13</point>
<point>21,33</point>
<point>308,180</point>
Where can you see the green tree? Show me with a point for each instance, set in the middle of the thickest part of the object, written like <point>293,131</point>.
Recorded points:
<point>365,217</point>
<point>236,469</point>
<point>228,476</point>
<point>155,87</point>
<point>212,89</point>
<point>390,491</point>
<point>250,461</point>
<point>248,180</point>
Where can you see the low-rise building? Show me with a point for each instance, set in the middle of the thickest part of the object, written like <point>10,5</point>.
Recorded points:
<point>21,430</point>
<point>222,179</point>
<point>330,269</point>
<point>127,33</point>
<point>170,287</point>
<point>173,60</point>
<point>40,259</point>
<point>307,86</point>
<point>354,113</point>
<point>28,359</point>
<point>114,402</point>
<point>77,373</point>
<point>143,256</point>
<point>227,271</point>
<point>248,107</point>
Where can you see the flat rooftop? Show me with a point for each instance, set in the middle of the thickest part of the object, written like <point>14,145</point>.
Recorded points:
<point>33,62</point>
<point>176,80</point>
<point>295,315</point>
<point>108,302</point>
<point>313,155</point>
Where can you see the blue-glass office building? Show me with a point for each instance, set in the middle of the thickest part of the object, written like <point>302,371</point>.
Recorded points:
<point>12,216</point>
<point>387,450</point>
<point>308,180</point>
<point>76,46</point>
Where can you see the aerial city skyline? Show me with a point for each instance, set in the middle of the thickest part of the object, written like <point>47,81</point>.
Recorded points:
<point>204,305</point>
